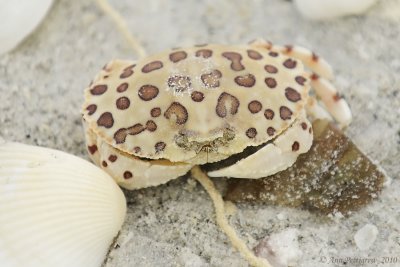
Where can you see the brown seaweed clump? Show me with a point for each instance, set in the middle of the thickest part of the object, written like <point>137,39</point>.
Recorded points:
<point>333,176</point>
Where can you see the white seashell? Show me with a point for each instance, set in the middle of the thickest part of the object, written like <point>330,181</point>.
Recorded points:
<point>329,9</point>
<point>55,209</point>
<point>19,19</point>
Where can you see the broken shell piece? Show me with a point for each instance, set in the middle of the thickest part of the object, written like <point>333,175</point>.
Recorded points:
<point>281,249</point>
<point>19,19</point>
<point>329,9</point>
<point>333,176</point>
<point>56,209</point>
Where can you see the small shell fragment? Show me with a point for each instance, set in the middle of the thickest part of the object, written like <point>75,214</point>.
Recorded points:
<point>55,209</point>
<point>281,249</point>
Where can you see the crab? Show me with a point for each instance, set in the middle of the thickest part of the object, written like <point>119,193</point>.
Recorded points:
<point>243,108</point>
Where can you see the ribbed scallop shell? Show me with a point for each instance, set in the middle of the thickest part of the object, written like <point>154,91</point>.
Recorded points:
<point>55,209</point>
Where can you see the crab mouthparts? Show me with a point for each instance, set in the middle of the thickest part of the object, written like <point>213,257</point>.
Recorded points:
<point>183,141</point>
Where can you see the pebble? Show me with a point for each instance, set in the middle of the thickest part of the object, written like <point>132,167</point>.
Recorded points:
<point>281,249</point>
<point>366,236</point>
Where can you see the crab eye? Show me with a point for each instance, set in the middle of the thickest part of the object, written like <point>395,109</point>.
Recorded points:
<point>228,134</point>
<point>181,140</point>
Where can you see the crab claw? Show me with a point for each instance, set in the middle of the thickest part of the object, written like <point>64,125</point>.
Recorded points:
<point>129,171</point>
<point>276,156</point>
<point>334,103</point>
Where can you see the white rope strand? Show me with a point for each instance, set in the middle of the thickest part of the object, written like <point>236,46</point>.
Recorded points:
<point>122,26</point>
<point>216,197</point>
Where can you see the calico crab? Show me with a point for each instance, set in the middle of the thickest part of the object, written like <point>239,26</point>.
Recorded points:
<point>245,108</point>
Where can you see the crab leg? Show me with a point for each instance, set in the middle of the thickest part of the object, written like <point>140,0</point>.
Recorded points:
<point>130,171</point>
<point>325,90</point>
<point>315,110</point>
<point>334,103</point>
<point>307,57</point>
<point>275,156</point>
